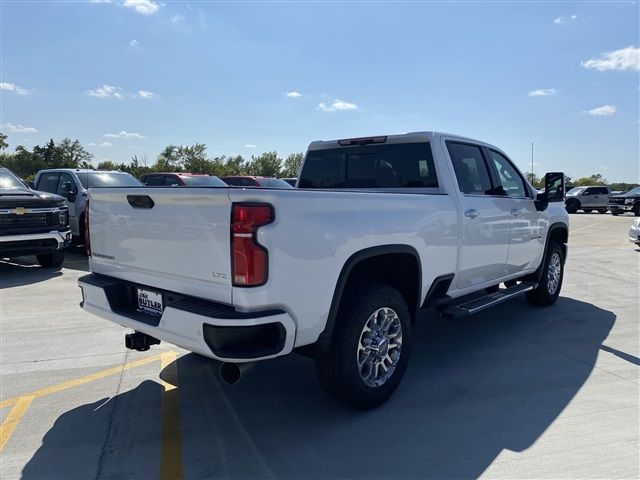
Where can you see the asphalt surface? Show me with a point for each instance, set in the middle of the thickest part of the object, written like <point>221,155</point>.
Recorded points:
<point>513,392</point>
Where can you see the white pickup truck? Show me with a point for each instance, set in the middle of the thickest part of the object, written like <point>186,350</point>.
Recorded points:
<point>337,268</point>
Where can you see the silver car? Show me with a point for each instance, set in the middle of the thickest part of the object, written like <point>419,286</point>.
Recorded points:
<point>634,232</point>
<point>72,184</point>
<point>588,199</point>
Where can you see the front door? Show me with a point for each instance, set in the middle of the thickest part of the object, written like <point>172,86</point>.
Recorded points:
<point>526,240</point>
<point>485,224</point>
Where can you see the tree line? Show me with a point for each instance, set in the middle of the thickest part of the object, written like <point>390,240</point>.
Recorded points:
<point>68,153</point>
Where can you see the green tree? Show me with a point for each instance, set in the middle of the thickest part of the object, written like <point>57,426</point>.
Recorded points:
<point>292,165</point>
<point>267,165</point>
<point>595,179</point>
<point>3,141</point>
<point>168,160</point>
<point>108,165</point>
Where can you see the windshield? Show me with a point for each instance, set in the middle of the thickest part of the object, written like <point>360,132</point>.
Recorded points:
<point>202,181</point>
<point>575,191</point>
<point>9,180</point>
<point>273,183</point>
<point>107,179</point>
<point>634,191</point>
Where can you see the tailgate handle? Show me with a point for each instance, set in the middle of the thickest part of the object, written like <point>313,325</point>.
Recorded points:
<point>140,201</point>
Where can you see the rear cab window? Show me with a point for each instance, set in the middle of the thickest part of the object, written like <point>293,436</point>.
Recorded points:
<point>394,165</point>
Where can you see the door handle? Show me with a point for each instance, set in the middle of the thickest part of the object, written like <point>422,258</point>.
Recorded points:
<point>472,213</point>
<point>516,212</point>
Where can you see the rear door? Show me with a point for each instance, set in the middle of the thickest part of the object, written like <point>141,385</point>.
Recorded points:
<point>485,224</point>
<point>177,239</point>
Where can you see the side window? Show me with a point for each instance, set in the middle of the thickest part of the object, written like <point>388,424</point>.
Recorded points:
<point>247,182</point>
<point>509,178</point>
<point>588,191</point>
<point>604,191</point>
<point>471,170</point>
<point>171,181</point>
<point>65,185</point>
<point>48,182</point>
<point>153,180</point>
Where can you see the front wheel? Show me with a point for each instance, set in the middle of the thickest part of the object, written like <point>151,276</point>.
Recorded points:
<point>572,206</point>
<point>51,260</point>
<point>603,210</point>
<point>636,210</point>
<point>548,290</point>
<point>369,351</point>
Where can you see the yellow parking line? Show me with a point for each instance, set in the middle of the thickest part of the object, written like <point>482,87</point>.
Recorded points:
<point>171,446</point>
<point>10,423</point>
<point>79,381</point>
<point>574,230</point>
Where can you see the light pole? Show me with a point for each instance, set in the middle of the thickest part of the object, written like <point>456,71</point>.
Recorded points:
<point>532,177</point>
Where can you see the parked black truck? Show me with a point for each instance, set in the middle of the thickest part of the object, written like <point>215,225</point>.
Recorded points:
<point>32,222</point>
<point>626,202</point>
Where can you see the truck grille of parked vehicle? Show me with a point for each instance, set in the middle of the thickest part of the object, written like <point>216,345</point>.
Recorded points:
<point>32,222</point>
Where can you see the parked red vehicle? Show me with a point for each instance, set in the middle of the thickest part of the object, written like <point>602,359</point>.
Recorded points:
<point>181,179</point>
<point>250,181</point>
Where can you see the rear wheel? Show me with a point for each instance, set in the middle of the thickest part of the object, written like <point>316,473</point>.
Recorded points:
<point>370,348</point>
<point>548,290</point>
<point>636,209</point>
<point>615,213</point>
<point>51,260</point>
<point>603,210</point>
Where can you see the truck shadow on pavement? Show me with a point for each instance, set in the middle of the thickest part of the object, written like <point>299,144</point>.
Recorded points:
<point>25,270</point>
<point>473,388</point>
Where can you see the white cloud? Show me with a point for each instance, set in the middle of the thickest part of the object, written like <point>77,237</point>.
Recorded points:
<point>337,105</point>
<point>145,7</point>
<point>105,144</point>
<point>12,87</point>
<point>293,94</point>
<point>100,1</point>
<point>106,91</point>
<point>543,92</point>
<point>249,145</point>
<point>563,20</point>
<point>134,43</point>
<point>623,59</point>
<point>603,111</point>
<point>17,128</point>
<point>123,134</point>
<point>146,94</point>
<point>176,18</point>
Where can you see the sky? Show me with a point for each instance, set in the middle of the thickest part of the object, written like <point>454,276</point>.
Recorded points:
<point>130,77</point>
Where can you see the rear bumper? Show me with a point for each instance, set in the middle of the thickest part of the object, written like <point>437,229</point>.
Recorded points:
<point>210,329</point>
<point>34,243</point>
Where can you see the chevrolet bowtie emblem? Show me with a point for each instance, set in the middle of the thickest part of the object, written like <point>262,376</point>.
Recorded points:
<point>20,211</point>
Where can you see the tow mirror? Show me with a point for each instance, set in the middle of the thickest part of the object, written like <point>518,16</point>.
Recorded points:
<point>553,190</point>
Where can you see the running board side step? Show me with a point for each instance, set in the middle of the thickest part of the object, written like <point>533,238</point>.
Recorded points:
<point>478,304</point>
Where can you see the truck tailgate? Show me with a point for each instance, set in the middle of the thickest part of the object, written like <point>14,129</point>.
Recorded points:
<point>180,243</point>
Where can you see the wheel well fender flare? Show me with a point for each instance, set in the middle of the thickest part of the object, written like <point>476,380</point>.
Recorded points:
<point>557,229</point>
<point>324,339</point>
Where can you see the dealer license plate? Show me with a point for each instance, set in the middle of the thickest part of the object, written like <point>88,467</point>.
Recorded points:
<point>150,302</point>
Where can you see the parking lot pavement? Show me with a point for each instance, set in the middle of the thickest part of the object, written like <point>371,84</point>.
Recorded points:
<point>513,392</point>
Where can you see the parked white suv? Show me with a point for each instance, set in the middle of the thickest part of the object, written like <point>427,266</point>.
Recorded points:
<point>337,268</point>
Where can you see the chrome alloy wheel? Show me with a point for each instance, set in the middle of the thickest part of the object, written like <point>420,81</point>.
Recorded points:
<point>554,271</point>
<point>379,347</point>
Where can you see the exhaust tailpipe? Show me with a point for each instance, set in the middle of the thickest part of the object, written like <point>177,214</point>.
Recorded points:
<point>231,373</point>
<point>139,341</point>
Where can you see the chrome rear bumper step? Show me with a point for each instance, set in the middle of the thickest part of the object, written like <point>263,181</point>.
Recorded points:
<point>478,304</point>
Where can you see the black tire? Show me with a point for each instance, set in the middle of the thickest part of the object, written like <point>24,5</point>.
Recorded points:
<point>602,210</point>
<point>51,260</point>
<point>572,206</point>
<point>544,295</point>
<point>636,209</point>
<point>338,369</point>
<point>615,214</point>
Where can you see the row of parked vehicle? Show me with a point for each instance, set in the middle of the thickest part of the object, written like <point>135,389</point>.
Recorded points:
<point>600,199</point>
<point>43,217</point>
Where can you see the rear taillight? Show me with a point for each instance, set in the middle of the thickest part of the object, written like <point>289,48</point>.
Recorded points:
<point>87,241</point>
<point>249,259</point>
